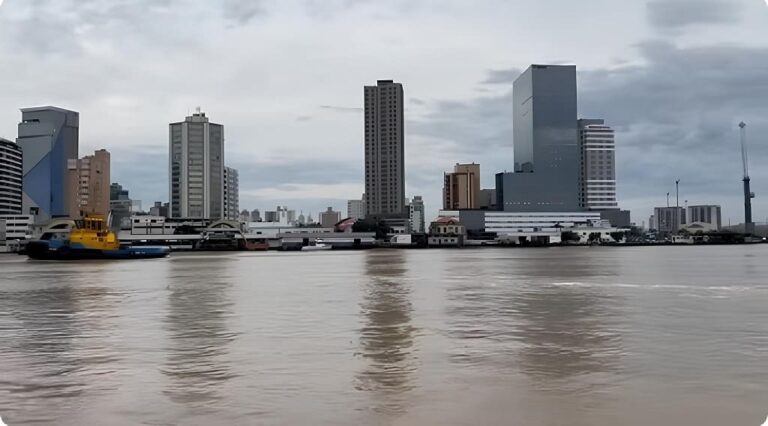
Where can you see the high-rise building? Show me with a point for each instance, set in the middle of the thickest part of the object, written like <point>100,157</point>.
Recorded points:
<point>461,189</point>
<point>356,208</point>
<point>231,194</point>
<point>384,150</point>
<point>11,174</point>
<point>271,216</point>
<point>256,215</point>
<point>159,209</point>
<point>669,220</point>
<point>196,168</point>
<point>49,138</point>
<point>597,151</point>
<point>329,218</point>
<point>121,205</point>
<point>416,216</point>
<point>710,215</point>
<point>89,182</point>
<point>290,216</point>
<point>487,199</point>
<point>546,177</point>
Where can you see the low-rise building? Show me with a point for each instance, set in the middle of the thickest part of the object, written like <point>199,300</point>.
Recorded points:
<point>524,228</point>
<point>707,214</point>
<point>446,232</point>
<point>159,209</point>
<point>697,227</point>
<point>14,230</point>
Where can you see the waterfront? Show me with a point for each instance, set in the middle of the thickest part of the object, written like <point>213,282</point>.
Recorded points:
<point>556,336</point>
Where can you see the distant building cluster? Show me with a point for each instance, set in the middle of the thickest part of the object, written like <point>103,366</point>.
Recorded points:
<point>562,164</point>
<point>563,177</point>
<point>671,220</point>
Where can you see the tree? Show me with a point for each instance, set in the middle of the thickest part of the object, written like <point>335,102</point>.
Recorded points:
<point>618,235</point>
<point>569,236</point>
<point>594,237</point>
<point>380,228</point>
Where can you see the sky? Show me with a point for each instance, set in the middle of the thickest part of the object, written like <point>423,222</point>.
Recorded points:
<point>286,77</point>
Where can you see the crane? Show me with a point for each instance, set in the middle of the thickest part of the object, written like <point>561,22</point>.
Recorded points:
<point>749,226</point>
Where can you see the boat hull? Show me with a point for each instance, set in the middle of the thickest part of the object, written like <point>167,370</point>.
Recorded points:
<point>44,250</point>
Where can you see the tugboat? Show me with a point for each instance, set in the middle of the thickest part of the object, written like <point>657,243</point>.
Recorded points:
<point>90,238</point>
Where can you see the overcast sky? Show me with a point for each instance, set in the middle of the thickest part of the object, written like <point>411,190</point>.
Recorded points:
<point>286,77</point>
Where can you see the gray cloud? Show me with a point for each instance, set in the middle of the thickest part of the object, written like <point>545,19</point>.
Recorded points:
<point>132,66</point>
<point>341,108</point>
<point>676,118</point>
<point>678,14</point>
<point>243,12</point>
<point>502,76</point>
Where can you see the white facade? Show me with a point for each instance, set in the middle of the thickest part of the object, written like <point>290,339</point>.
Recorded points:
<point>416,215</point>
<point>504,223</point>
<point>710,215</point>
<point>10,177</point>
<point>152,225</point>
<point>231,194</point>
<point>356,209</point>
<point>598,166</point>
<point>14,228</point>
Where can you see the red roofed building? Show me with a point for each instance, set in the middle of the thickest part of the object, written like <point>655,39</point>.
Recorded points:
<point>345,225</point>
<point>447,232</point>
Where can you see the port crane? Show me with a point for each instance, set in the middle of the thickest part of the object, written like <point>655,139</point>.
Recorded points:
<point>749,226</point>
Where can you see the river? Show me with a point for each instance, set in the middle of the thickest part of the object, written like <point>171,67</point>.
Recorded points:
<point>555,336</point>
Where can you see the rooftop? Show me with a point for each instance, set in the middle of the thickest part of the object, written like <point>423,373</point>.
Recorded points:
<point>47,108</point>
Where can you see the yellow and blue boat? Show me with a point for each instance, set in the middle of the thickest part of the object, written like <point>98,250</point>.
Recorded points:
<point>90,238</point>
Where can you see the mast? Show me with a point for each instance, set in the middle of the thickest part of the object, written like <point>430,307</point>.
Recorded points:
<point>749,226</point>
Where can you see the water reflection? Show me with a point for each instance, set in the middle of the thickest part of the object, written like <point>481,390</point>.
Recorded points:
<point>199,306</point>
<point>56,337</point>
<point>568,326</point>
<point>386,338</point>
<point>539,317</point>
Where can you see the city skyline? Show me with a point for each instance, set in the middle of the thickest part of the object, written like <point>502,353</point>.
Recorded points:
<point>664,114</point>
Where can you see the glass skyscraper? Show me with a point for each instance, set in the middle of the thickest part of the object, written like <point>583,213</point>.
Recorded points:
<point>49,138</point>
<point>546,176</point>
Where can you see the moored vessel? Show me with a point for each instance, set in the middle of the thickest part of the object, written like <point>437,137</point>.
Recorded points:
<point>90,238</point>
